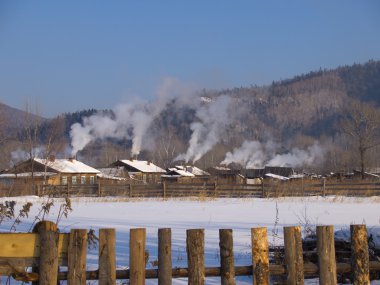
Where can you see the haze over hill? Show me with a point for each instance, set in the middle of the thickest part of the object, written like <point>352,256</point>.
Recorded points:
<point>294,119</point>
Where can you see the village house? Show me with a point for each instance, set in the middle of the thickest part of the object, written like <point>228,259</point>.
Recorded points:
<point>186,174</point>
<point>37,171</point>
<point>269,172</point>
<point>140,170</point>
<point>224,175</point>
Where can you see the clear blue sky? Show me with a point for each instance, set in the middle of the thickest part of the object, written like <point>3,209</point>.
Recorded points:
<point>70,55</point>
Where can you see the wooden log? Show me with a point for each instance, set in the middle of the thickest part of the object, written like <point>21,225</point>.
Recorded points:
<point>326,255</point>
<point>359,255</point>
<point>293,256</point>
<point>77,257</point>
<point>107,257</point>
<point>195,256</point>
<point>137,256</point>
<point>48,265</point>
<point>310,269</point>
<point>227,266</point>
<point>164,256</point>
<point>260,256</point>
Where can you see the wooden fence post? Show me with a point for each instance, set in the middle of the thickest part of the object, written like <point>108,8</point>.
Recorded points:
<point>195,256</point>
<point>164,256</point>
<point>77,254</point>
<point>293,255</point>
<point>359,255</point>
<point>326,255</point>
<point>48,264</point>
<point>107,257</point>
<point>262,189</point>
<point>164,189</point>
<point>324,187</point>
<point>99,190</point>
<point>260,256</point>
<point>130,190</point>
<point>227,267</point>
<point>137,256</point>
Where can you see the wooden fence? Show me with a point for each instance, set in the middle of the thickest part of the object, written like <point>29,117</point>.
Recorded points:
<point>167,190</point>
<point>46,250</point>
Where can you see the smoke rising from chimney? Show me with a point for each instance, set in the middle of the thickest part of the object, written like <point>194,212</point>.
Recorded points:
<point>128,121</point>
<point>212,120</point>
<point>254,154</point>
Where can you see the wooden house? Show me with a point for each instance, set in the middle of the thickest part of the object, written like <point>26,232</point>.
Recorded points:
<point>224,175</point>
<point>26,176</point>
<point>54,171</point>
<point>140,170</point>
<point>186,174</point>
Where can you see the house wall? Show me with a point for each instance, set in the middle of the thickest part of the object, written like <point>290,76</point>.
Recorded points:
<point>80,179</point>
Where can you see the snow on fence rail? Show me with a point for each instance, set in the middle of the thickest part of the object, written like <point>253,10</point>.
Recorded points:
<point>47,249</point>
<point>168,190</point>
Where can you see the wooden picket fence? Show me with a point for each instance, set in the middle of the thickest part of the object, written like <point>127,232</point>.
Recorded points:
<point>46,250</point>
<point>176,190</point>
<point>294,188</point>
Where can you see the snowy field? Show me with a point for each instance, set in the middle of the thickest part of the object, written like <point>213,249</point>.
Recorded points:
<point>181,214</point>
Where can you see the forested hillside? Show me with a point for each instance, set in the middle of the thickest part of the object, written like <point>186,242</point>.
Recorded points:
<point>293,114</point>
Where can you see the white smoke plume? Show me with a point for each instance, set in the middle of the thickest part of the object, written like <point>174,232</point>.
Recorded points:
<point>129,121</point>
<point>299,157</point>
<point>19,155</point>
<point>254,154</point>
<point>213,118</point>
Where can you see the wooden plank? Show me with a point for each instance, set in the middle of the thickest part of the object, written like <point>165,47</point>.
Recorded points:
<point>107,257</point>
<point>260,256</point>
<point>164,256</point>
<point>293,255</point>
<point>28,245</point>
<point>137,256</point>
<point>359,255</point>
<point>227,266</point>
<point>326,255</point>
<point>195,256</point>
<point>77,257</point>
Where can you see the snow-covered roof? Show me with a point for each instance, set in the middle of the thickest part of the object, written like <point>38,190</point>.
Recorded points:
<point>114,173</point>
<point>67,165</point>
<point>143,166</point>
<point>275,176</point>
<point>296,176</point>
<point>221,168</point>
<point>181,172</point>
<point>27,174</point>
<point>192,169</point>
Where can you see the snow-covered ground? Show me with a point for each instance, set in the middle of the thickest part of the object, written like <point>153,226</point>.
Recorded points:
<point>181,214</point>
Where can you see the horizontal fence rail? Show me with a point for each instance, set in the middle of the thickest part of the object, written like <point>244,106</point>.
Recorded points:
<point>164,190</point>
<point>19,251</point>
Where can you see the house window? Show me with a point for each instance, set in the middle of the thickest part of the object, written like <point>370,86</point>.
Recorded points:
<point>83,180</point>
<point>92,180</point>
<point>64,180</point>
<point>74,180</point>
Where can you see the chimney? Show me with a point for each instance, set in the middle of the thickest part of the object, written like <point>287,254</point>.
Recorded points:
<point>51,158</point>
<point>148,162</point>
